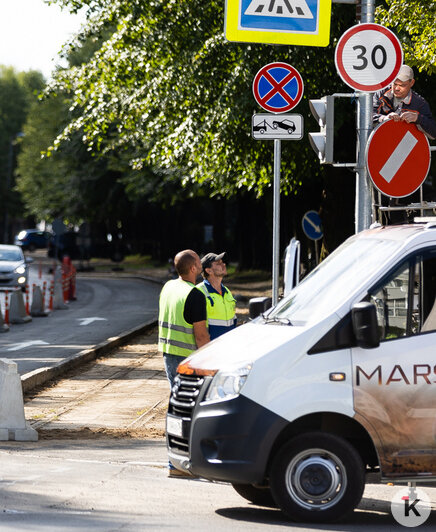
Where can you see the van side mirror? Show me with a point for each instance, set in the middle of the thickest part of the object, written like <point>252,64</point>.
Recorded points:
<point>365,326</point>
<point>258,305</point>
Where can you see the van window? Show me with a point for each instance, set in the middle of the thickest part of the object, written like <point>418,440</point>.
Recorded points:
<point>335,279</point>
<point>406,299</point>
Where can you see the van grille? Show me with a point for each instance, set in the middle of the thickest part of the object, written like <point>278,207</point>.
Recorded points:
<point>184,394</point>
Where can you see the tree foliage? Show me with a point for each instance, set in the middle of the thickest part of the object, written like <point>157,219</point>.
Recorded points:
<point>173,99</point>
<point>414,21</point>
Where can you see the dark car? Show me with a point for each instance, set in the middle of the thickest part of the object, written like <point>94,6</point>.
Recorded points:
<point>31,239</point>
<point>288,125</point>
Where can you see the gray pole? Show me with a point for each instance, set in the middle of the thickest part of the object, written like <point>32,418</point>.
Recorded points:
<point>364,128</point>
<point>276,222</point>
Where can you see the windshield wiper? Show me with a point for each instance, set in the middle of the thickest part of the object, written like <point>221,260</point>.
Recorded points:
<point>276,319</point>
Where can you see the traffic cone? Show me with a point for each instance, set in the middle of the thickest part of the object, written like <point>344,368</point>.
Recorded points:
<point>18,308</point>
<point>37,309</point>
<point>4,327</point>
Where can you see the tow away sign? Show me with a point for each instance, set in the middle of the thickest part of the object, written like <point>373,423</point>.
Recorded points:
<point>283,127</point>
<point>299,22</point>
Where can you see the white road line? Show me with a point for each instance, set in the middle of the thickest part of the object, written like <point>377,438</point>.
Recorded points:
<point>400,154</point>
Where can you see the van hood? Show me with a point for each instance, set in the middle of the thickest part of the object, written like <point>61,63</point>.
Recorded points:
<point>245,344</point>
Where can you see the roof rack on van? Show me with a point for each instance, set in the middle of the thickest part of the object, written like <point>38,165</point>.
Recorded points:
<point>430,221</point>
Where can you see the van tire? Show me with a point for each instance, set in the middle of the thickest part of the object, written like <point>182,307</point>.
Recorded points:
<point>317,477</point>
<point>261,496</point>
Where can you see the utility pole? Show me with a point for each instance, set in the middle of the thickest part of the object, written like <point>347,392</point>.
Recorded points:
<point>363,206</point>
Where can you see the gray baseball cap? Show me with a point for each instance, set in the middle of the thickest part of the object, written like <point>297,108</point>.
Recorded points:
<point>207,260</point>
<point>405,73</point>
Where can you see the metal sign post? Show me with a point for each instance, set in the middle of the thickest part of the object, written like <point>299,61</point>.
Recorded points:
<point>276,222</point>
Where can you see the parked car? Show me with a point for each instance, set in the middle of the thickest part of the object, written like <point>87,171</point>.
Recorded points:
<point>31,239</point>
<point>13,267</point>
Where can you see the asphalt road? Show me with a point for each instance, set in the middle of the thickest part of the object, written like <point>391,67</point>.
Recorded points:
<point>115,485</point>
<point>105,307</point>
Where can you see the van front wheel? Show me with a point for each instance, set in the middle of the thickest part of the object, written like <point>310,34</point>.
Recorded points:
<point>317,477</point>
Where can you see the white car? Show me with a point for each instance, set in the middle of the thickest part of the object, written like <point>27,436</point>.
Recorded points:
<point>13,267</point>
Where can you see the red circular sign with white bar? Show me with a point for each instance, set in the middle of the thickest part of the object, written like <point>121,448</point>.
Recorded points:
<point>398,158</point>
<point>368,57</point>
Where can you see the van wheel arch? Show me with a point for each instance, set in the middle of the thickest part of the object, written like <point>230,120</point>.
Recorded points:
<point>335,424</point>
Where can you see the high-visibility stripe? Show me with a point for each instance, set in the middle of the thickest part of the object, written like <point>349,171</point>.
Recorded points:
<point>173,327</point>
<point>222,323</point>
<point>176,343</point>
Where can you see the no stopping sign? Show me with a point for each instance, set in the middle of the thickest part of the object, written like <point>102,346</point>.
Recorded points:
<point>368,57</point>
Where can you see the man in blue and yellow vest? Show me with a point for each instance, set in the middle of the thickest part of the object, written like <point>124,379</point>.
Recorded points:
<point>182,313</point>
<point>219,300</point>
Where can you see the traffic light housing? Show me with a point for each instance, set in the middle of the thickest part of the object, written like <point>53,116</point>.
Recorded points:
<point>322,143</point>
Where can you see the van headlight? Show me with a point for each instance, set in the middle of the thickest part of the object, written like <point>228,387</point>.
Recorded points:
<point>20,270</point>
<point>227,384</point>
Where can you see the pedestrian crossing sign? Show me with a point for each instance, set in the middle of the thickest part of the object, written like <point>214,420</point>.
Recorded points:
<point>298,22</point>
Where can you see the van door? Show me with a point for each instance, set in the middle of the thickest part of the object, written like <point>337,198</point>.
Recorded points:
<point>395,384</point>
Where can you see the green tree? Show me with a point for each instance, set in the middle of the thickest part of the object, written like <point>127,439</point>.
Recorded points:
<point>17,91</point>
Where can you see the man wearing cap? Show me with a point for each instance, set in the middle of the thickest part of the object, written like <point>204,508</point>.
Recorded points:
<point>219,300</point>
<point>400,103</point>
<point>182,313</point>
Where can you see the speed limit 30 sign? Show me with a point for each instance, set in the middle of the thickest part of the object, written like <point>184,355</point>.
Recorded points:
<point>368,57</point>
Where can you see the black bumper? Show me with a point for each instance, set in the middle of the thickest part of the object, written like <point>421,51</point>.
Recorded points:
<point>230,441</point>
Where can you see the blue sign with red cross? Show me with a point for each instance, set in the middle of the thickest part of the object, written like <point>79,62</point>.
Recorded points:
<point>278,87</point>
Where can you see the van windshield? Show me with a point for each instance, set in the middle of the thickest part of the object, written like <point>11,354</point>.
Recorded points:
<point>331,283</point>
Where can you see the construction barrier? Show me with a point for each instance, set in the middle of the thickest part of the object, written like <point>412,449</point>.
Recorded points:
<point>17,313</point>
<point>13,425</point>
<point>20,306</point>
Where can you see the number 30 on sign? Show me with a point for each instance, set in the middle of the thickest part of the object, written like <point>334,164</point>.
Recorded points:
<point>368,57</point>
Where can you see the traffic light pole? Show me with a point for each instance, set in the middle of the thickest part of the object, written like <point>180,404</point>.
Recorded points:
<point>364,202</point>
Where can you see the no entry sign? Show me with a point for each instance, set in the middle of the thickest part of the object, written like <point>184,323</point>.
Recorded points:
<point>368,57</point>
<point>278,87</point>
<point>398,158</point>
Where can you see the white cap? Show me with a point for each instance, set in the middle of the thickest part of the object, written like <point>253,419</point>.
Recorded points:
<point>405,73</point>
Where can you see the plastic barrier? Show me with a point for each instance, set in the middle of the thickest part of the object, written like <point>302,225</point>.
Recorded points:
<point>17,313</point>
<point>13,425</point>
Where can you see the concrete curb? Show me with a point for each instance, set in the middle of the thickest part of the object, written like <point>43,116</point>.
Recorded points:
<point>42,375</point>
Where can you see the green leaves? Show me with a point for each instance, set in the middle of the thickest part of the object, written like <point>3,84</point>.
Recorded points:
<point>414,21</point>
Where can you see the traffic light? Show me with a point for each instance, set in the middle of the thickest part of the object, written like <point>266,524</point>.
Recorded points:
<point>324,112</point>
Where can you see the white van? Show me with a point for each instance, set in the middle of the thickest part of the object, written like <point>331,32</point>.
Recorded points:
<point>338,380</point>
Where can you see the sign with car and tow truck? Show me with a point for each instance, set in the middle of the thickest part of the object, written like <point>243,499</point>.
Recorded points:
<point>284,127</point>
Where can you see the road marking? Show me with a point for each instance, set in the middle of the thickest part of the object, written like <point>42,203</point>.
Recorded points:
<point>87,321</point>
<point>23,345</point>
<point>400,154</point>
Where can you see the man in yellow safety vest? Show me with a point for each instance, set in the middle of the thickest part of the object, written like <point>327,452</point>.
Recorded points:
<point>219,300</point>
<point>182,314</point>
